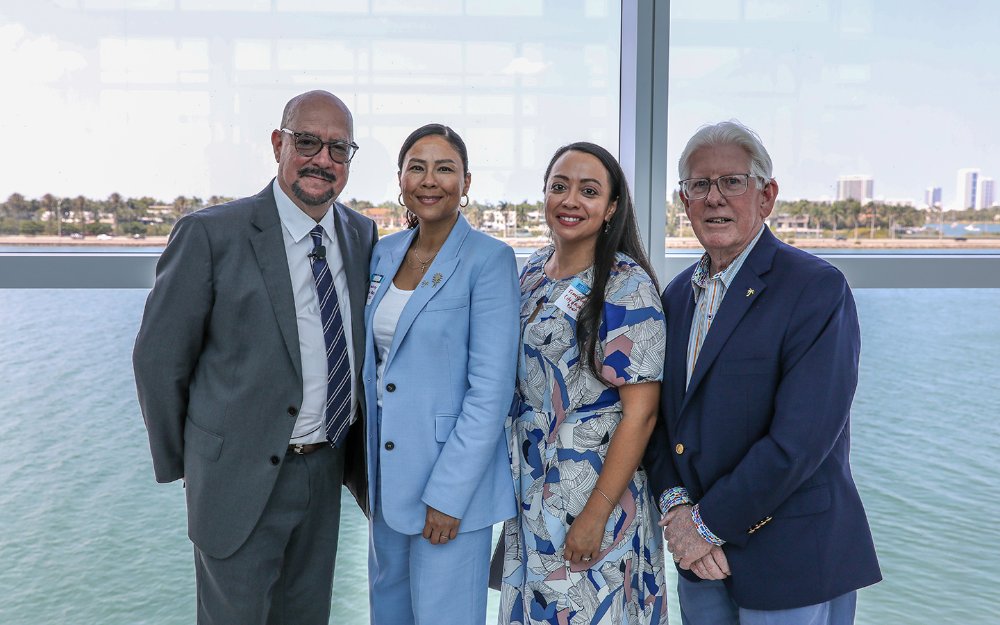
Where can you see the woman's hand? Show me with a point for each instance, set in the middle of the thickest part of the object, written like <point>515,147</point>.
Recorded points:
<point>583,541</point>
<point>439,527</point>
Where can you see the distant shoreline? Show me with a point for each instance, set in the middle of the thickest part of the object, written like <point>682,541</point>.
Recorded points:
<point>671,243</point>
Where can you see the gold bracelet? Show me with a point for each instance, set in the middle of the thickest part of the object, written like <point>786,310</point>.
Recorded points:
<point>603,494</point>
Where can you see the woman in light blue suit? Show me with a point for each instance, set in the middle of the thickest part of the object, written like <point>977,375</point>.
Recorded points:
<point>442,331</point>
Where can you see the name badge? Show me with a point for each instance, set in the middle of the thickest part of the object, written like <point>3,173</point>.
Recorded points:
<point>376,280</point>
<point>573,298</point>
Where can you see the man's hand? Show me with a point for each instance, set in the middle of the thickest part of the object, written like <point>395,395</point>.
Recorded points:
<point>713,566</point>
<point>439,527</point>
<point>683,539</point>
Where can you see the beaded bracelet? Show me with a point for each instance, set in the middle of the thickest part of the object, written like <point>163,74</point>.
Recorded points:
<point>702,528</point>
<point>675,496</point>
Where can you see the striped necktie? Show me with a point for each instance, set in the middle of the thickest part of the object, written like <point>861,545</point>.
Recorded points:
<point>337,413</point>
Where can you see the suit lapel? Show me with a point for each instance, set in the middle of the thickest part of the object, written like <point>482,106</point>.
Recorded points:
<point>679,332</point>
<point>742,293</point>
<point>269,248</point>
<point>388,265</point>
<point>434,280</point>
<point>356,269</point>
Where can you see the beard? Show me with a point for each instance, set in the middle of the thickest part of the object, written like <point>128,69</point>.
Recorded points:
<point>308,198</point>
<point>312,200</point>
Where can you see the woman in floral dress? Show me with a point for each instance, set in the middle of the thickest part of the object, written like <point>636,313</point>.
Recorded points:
<point>585,547</point>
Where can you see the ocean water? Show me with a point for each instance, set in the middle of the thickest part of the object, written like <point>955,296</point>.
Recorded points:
<point>88,537</point>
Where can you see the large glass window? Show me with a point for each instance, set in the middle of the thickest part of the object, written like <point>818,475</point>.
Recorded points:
<point>129,113</point>
<point>878,115</point>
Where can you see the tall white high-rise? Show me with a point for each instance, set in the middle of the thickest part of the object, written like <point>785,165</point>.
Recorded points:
<point>985,192</point>
<point>860,188</point>
<point>932,197</point>
<point>968,179</point>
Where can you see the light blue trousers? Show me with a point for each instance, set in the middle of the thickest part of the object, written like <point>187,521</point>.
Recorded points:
<point>412,582</point>
<point>708,603</point>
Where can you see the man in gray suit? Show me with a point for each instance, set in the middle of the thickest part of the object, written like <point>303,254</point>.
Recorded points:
<point>243,379</point>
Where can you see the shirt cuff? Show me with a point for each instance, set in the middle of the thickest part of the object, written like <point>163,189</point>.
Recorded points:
<point>676,496</point>
<point>702,528</point>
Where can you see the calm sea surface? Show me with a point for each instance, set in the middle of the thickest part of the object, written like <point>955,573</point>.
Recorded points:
<point>88,537</point>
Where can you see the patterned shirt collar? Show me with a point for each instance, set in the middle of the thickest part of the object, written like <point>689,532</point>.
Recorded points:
<point>701,277</point>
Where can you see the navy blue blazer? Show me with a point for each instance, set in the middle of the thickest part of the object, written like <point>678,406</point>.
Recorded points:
<point>761,435</point>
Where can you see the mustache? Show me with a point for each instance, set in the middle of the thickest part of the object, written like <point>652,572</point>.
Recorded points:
<point>319,173</point>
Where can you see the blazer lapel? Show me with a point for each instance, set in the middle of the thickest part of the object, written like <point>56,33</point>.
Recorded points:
<point>677,342</point>
<point>387,267</point>
<point>437,275</point>
<point>742,293</point>
<point>269,248</point>
<point>356,269</point>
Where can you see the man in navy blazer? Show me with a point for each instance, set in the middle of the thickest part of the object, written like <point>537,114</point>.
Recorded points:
<point>751,455</point>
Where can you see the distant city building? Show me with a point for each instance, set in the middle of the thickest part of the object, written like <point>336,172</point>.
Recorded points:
<point>785,223</point>
<point>968,180</point>
<point>860,188</point>
<point>985,193</point>
<point>932,197</point>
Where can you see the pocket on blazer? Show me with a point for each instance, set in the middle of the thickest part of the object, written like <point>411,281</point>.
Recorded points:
<point>206,444</point>
<point>443,425</point>
<point>447,303</point>
<point>803,502</point>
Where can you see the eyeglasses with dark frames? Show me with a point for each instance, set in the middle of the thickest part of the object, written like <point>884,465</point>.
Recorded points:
<point>729,185</point>
<point>309,145</point>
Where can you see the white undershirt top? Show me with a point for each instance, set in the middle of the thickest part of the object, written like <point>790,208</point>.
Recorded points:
<point>295,228</point>
<point>384,324</point>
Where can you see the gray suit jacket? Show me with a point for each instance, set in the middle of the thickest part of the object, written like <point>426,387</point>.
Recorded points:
<point>217,363</point>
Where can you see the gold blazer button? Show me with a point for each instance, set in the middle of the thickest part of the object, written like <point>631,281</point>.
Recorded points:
<point>679,448</point>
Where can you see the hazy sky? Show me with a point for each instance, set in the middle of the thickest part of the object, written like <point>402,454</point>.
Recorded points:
<point>178,97</point>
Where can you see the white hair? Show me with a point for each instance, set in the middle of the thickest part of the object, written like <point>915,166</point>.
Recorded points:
<point>729,132</point>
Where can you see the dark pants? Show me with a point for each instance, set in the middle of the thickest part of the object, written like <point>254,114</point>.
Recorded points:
<point>283,574</point>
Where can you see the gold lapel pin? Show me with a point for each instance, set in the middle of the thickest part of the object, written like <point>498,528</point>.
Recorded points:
<point>437,279</point>
<point>750,292</point>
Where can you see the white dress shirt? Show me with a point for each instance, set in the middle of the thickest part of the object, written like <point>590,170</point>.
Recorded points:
<point>295,229</point>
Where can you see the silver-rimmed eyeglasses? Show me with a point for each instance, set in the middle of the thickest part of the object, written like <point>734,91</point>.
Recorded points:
<point>729,185</point>
<point>310,145</point>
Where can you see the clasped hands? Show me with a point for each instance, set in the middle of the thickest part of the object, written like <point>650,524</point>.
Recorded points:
<point>439,527</point>
<point>689,549</point>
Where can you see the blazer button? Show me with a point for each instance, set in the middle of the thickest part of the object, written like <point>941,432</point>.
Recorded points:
<point>390,387</point>
<point>275,460</point>
<point>679,448</point>
<point>389,446</point>
<point>292,411</point>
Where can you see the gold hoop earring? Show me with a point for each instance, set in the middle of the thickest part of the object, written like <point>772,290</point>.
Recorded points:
<point>399,198</point>
<point>466,198</point>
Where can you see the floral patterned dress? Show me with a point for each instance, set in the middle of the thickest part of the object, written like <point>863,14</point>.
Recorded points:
<point>559,438</point>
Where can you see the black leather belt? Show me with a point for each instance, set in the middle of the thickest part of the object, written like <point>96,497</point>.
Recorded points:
<point>308,448</point>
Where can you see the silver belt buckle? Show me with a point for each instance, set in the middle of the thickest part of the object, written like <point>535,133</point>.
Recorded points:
<point>297,448</point>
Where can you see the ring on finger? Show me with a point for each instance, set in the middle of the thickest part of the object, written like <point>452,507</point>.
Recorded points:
<point>586,558</point>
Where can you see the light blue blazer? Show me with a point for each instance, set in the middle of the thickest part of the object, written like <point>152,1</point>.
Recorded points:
<point>448,382</point>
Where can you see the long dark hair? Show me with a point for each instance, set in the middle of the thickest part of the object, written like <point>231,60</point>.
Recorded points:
<point>425,131</point>
<point>622,236</point>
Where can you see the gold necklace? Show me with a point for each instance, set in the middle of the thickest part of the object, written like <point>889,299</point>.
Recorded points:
<point>421,264</point>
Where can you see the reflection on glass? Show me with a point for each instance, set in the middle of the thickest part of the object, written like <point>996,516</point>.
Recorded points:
<point>203,83</point>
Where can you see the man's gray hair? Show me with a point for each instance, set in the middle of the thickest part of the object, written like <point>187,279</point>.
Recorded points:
<point>729,132</point>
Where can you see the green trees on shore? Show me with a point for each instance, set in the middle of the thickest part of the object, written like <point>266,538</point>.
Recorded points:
<point>121,216</point>
<point>117,215</point>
